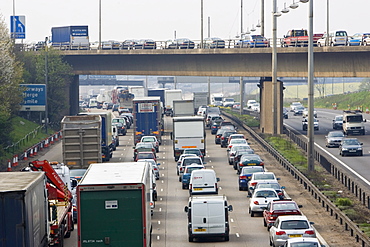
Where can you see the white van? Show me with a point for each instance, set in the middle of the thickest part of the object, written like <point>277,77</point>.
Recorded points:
<point>203,182</point>
<point>338,37</point>
<point>208,216</point>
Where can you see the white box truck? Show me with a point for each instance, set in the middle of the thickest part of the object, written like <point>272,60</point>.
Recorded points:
<point>208,216</point>
<point>188,132</point>
<point>353,123</point>
<point>170,96</point>
<point>183,108</point>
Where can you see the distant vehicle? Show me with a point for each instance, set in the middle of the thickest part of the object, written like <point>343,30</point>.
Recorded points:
<point>252,41</point>
<point>239,154</point>
<point>214,43</point>
<point>350,146</point>
<point>195,151</point>
<point>285,113</point>
<point>94,45</point>
<point>214,128</point>
<point>202,110</point>
<point>277,208</point>
<point>106,45</point>
<point>70,38</point>
<point>353,123</point>
<point>76,173</point>
<point>250,103</point>
<point>296,38</point>
<point>121,127</point>
<point>260,198</point>
<point>182,43</point>
<point>338,122</point>
<point>128,44</point>
<point>187,161</point>
<point>232,151</point>
<point>249,160</point>
<point>246,174</point>
<point>145,44</point>
<point>290,225</point>
<point>225,137</point>
<point>236,105</point>
<point>305,113</point>
<point>298,110</point>
<point>256,107</point>
<point>143,147</point>
<point>228,102</point>
<point>236,142</point>
<point>354,40</point>
<point>334,138</point>
<point>315,124</point>
<point>366,39</point>
<point>308,242</point>
<point>154,165</point>
<point>294,105</point>
<point>260,177</point>
<point>203,181</point>
<point>153,140</point>
<point>179,162</point>
<point>185,178</point>
<point>336,38</point>
<point>145,156</point>
<point>273,185</point>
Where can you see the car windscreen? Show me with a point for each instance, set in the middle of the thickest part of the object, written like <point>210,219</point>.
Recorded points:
<point>247,170</point>
<point>191,161</point>
<point>294,224</point>
<point>264,177</point>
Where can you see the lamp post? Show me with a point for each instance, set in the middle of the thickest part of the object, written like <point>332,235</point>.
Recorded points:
<point>327,23</point>
<point>201,24</point>
<point>275,14</point>
<point>46,86</point>
<point>99,25</point>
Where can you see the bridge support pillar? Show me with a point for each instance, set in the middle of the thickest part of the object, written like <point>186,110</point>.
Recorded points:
<point>74,91</point>
<point>267,120</point>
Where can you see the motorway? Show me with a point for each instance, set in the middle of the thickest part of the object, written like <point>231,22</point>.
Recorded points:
<point>169,220</point>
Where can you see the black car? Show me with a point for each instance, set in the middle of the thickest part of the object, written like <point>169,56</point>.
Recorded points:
<point>225,137</point>
<point>350,146</point>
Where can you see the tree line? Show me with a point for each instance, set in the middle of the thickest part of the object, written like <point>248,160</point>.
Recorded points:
<point>28,67</point>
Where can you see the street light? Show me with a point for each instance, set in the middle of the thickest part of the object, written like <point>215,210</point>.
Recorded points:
<point>46,85</point>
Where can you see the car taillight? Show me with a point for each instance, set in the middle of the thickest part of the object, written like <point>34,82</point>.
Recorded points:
<point>230,146</point>
<point>190,186</point>
<point>242,177</point>
<point>262,164</point>
<point>222,138</point>
<point>253,184</point>
<point>256,203</point>
<point>153,150</point>
<point>280,233</point>
<point>218,136</point>
<point>310,232</point>
<point>181,169</point>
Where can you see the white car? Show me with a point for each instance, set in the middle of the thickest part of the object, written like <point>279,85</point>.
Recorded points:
<point>250,103</point>
<point>294,105</point>
<point>202,110</point>
<point>238,141</point>
<point>286,227</point>
<point>259,177</point>
<point>305,113</point>
<point>256,107</point>
<point>260,198</point>
<point>151,139</point>
<point>309,242</point>
<point>336,38</point>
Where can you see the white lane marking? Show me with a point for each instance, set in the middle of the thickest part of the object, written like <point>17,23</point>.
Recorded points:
<point>159,222</point>
<point>160,199</point>
<point>220,188</point>
<point>232,220</point>
<point>212,167</point>
<point>160,209</point>
<point>162,181</point>
<point>237,235</point>
<point>158,238</point>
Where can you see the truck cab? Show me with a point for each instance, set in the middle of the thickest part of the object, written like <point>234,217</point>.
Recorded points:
<point>353,123</point>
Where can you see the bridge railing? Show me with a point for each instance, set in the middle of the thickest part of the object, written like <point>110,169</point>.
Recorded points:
<point>350,181</point>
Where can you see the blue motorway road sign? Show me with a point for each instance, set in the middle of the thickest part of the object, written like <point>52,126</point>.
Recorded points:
<point>18,27</point>
<point>34,97</point>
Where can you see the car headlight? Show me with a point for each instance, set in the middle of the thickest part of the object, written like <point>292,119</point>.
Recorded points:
<point>359,149</point>
<point>344,149</point>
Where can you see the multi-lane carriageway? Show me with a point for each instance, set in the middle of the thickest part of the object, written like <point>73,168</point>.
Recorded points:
<point>170,221</point>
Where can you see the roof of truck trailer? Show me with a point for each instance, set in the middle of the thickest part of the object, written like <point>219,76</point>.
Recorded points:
<point>18,181</point>
<point>194,118</point>
<point>114,173</point>
<point>147,98</point>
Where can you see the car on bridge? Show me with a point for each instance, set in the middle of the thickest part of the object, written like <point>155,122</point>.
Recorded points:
<point>180,44</point>
<point>214,43</point>
<point>145,44</point>
<point>252,41</point>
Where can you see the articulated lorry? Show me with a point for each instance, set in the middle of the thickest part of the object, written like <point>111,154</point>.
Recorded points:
<point>114,205</point>
<point>200,99</point>
<point>183,108</point>
<point>170,96</point>
<point>81,143</point>
<point>70,38</point>
<point>188,132</point>
<point>107,142</point>
<point>148,120</point>
<point>35,207</point>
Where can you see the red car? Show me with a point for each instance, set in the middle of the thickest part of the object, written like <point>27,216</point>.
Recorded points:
<point>277,208</point>
<point>145,156</point>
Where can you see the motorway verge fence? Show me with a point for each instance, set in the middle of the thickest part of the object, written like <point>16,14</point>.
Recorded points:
<point>341,173</point>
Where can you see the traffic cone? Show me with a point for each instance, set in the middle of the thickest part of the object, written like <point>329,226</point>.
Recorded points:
<point>16,160</point>
<point>60,135</point>
<point>51,140</point>
<point>367,110</point>
<point>56,137</point>
<point>35,151</point>
<point>9,166</point>
<point>46,143</point>
<point>31,152</point>
<point>41,146</point>
<point>25,155</point>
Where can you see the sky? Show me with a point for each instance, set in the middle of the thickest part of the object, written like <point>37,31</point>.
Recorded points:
<point>161,19</point>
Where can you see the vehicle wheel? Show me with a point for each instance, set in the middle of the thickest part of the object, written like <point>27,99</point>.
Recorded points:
<point>271,244</point>
<point>331,44</point>
<point>68,234</point>
<point>157,150</point>
<point>227,238</point>
<point>191,239</point>
<point>240,188</point>
<point>180,179</point>
<point>264,223</point>
<point>61,236</point>
<point>183,186</point>
<point>177,172</point>
<point>361,154</point>
<point>234,167</point>
<point>238,172</point>
<point>318,44</point>
<point>252,214</point>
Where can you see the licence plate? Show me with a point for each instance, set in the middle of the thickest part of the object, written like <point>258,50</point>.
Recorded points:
<point>352,151</point>
<point>200,230</point>
<point>198,189</point>
<point>252,164</point>
<point>295,235</point>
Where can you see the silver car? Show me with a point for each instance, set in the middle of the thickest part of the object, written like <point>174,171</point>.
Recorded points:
<point>286,227</point>
<point>334,138</point>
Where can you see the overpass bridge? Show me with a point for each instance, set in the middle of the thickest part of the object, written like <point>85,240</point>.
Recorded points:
<point>236,62</point>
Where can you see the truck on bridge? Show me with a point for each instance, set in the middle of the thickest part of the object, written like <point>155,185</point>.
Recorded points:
<point>70,38</point>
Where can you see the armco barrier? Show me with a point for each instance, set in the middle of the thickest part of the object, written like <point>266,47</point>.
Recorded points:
<point>348,180</point>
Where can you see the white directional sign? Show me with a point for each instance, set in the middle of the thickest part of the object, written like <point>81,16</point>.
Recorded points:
<point>18,27</point>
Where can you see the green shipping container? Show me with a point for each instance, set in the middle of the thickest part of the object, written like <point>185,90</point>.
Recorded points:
<point>113,205</point>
